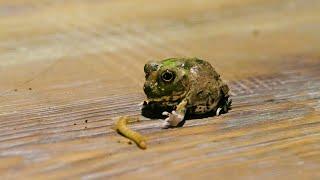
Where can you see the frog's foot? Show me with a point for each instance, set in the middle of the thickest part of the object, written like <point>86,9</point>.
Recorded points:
<point>225,108</point>
<point>172,120</point>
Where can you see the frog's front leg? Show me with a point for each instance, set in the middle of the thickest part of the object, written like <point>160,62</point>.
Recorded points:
<point>175,117</point>
<point>143,104</point>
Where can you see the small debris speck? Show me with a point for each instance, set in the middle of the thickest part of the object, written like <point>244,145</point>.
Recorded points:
<point>30,89</point>
<point>86,121</point>
<point>15,90</point>
<point>74,123</point>
<point>255,32</point>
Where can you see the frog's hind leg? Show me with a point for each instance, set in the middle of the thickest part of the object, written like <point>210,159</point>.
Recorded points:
<point>225,105</point>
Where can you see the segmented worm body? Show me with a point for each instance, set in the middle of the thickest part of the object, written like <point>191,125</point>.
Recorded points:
<point>121,127</point>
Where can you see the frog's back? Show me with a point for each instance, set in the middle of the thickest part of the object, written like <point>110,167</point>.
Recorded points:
<point>186,63</point>
<point>206,87</point>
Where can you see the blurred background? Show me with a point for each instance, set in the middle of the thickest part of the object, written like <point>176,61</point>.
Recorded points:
<point>71,50</point>
<point>59,57</point>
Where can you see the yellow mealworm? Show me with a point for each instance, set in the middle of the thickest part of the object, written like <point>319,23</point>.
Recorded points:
<point>121,127</point>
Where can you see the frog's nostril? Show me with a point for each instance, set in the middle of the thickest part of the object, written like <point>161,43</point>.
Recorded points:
<point>151,66</point>
<point>147,75</point>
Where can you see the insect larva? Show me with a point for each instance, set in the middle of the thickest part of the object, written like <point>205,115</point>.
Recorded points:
<point>121,127</point>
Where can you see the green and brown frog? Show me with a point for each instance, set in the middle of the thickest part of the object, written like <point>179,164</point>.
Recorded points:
<point>184,85</point>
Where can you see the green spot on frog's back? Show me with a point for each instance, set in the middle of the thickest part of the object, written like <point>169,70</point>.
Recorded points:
<point>171,62</point>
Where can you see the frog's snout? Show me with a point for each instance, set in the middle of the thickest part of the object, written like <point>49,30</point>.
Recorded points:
<point>147,89</point>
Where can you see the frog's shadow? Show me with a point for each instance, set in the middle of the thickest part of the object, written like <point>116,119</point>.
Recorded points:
<point>156,113</point>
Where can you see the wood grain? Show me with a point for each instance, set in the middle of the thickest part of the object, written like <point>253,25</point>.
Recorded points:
<point>69,68</point>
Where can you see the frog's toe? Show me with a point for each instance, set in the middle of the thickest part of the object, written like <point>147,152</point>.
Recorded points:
<point>225,109</point>
<point>165,113</point>
<point>227,106</point>
<point>229,103</point>
<point>218,111</point>
<point>141,105</point>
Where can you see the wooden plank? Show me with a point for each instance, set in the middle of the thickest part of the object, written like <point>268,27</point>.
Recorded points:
<point>68,69</point>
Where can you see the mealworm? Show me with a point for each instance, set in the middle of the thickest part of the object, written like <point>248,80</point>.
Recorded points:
<point>121,127</point>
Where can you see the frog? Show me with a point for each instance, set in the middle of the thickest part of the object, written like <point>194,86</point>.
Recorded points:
<point>184,85</point>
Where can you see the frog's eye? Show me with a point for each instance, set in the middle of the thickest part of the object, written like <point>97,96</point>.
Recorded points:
<point>167,76</point>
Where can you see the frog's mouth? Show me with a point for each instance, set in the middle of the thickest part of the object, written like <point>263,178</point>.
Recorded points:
<point>168,100</point>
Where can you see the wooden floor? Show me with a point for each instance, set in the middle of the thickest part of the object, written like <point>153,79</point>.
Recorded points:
<point>69,68</point>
